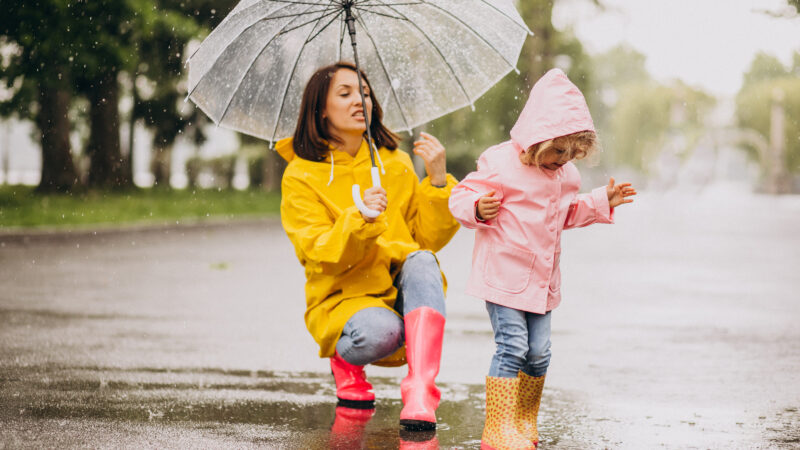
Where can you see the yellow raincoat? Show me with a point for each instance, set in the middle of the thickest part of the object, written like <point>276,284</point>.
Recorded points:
<point>351,264</point>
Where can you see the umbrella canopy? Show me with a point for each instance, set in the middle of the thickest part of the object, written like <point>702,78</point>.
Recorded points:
<point>424,58</point>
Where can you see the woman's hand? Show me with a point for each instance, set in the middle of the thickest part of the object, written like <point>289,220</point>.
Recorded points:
<point>487,208</point>
<point>432,152</point>
<point>618,194</point>
<point>374,198</point>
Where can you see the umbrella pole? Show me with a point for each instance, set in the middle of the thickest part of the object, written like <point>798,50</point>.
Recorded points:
<point>351,28</point>
<point>376,178</point>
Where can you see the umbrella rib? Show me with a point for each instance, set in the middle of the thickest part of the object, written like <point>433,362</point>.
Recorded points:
<point>249,27</point>
<point>295,2</point>
<point>372,11</point>
<point>317,19</point>
<point>525,27</point>
<point>247,72</point>
<point>512,65</point>
<point>336,16</point>
<point>371,3</point>
<point>270,17</point>
<point>288,84</point>
<point>341,42</point>
<point>386,72</point>
<point>441,55</point>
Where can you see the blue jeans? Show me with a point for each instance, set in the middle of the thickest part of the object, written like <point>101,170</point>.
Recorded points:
<point>375,333</point>
<point>523,341</point>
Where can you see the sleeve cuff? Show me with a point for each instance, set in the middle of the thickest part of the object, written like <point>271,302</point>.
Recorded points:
<point>437,192</point>
<point>605,213</point>
<point>364,229</point>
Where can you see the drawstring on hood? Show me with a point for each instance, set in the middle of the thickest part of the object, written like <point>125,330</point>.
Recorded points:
<point>330,180</point>
<point>555,108</point>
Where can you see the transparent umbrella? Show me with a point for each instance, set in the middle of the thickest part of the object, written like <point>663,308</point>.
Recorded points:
<point>425,58</point>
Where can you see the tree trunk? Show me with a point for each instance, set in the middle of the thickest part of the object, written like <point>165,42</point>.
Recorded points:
<point>108,169</point>
<point>160,165</point>
<point>58,169</point>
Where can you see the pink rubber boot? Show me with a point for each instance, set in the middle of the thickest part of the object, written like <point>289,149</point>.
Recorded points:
<point>352,388</point>
<point>424,332</point>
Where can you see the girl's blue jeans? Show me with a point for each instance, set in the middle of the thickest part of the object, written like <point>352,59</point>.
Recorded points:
<point>523,341</point>
<point>375,333</point>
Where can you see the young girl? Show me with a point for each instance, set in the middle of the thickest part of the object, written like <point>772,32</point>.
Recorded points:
<point>523,194</point>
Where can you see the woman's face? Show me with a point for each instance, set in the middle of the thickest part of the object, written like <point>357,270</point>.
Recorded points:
<point>343,110</point>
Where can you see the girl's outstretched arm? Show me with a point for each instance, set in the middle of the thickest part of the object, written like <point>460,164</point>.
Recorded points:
<point>598,206</point>
<point>465,196</point>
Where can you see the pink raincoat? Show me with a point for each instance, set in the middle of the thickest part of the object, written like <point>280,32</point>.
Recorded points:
<point>516,255</point>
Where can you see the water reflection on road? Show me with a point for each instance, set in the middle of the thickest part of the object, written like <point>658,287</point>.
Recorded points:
<point>212,407</point>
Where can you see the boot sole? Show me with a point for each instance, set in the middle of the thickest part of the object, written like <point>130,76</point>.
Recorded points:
<point>356,404</point>
<point>417,425</point>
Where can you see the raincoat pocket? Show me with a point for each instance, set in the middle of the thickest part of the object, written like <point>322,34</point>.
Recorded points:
<point>507,268</point>
<point>555,279</point>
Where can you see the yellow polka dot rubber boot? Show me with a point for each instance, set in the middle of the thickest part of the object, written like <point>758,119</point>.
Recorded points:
<point>500,431</point>
<point>528,399</point>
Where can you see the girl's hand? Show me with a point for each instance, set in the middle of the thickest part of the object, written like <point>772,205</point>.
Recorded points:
<point>487,208</point>
<point>374,198</point>
<point>618,194</point>
<point>432,152</point>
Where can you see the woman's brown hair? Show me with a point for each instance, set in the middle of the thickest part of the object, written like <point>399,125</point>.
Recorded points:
<point>311,137</point>
<point>577,145</point>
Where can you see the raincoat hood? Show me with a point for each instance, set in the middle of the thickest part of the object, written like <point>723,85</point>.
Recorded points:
<point>285,149</point>
<point>555,108</point>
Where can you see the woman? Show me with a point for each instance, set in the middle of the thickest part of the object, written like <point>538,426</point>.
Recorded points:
<point>371,284</point>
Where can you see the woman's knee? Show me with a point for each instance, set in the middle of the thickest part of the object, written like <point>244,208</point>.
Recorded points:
<point>421,282</point>
<point>423,260</point>
<point>375,334</point>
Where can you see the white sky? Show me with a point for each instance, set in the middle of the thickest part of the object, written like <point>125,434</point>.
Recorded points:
<point>706,43</point>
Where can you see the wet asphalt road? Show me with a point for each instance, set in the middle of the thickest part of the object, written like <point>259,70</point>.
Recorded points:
<point>678,329</point>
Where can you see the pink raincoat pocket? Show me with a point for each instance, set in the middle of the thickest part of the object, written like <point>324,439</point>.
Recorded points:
<point>555,279</point>
<point>507,268</point>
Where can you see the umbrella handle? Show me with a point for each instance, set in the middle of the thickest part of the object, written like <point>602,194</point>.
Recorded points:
<point>376,182</point>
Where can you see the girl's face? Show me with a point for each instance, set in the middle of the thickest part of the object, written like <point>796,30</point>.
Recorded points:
<point>343,110</point>
<point>553,158</point>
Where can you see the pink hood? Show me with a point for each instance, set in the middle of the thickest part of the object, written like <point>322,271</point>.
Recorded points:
<point>555,108</point>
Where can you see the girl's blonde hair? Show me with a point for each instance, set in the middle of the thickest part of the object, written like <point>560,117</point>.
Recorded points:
<point>577,145</point>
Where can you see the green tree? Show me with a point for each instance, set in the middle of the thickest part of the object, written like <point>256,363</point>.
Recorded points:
<point>647,115</point>
<point>612,71</point>
<point>161,35</point>
<point>103,47</point>
<point>766,82</point>
<point>38,72</point>
<point>764,67</point>
<point>635,115</point>
<point>161,39</point>
<point>65,49</point>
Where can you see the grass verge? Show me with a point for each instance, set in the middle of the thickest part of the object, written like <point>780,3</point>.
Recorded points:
<point>21,207</point>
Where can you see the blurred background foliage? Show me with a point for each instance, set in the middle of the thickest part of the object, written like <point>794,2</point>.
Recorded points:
<point>768,81</point>
<point>120,62</point>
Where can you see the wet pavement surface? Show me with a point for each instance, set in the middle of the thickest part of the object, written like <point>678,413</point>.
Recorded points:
<point>678,329</point>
